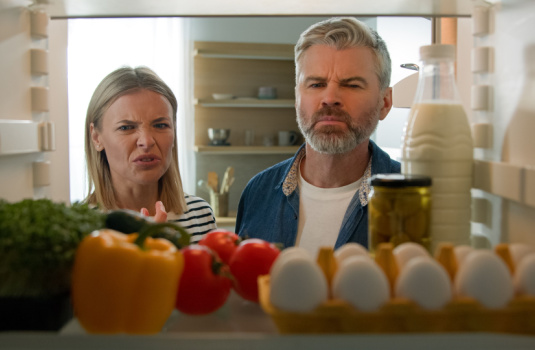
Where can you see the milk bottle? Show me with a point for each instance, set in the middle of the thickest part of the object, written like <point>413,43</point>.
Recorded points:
<point>437,142</point>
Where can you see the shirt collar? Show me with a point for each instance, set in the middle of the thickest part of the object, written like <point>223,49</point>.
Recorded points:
<point>290,182</point>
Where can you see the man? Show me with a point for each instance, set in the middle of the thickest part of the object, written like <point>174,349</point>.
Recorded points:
<point>319,197</point>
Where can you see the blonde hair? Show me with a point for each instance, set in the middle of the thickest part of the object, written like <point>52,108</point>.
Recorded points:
<point>120,82</point>
<point>343,33</point>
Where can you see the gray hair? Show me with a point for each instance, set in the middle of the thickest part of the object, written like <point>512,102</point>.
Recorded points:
<point>343,33</point>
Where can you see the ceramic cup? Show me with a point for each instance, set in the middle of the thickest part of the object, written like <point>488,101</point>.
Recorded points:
<point>267,92</point>
<point>287,138</point>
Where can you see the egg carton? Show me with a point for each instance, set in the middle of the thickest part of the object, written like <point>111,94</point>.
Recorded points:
<point>399,315</point>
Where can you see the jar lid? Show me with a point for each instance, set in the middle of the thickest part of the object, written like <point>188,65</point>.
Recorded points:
<point>399,180</point>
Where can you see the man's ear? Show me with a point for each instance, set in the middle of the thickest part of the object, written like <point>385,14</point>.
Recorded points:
<point>387,103</point>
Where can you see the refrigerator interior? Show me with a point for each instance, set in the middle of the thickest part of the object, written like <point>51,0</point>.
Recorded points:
<point>33,112</point>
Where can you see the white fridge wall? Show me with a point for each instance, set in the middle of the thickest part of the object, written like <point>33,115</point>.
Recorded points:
<point>15,64</point>
<point>16,171</point>
<point>59,171</point>
<point>514,32</point>
<point>15,98</point>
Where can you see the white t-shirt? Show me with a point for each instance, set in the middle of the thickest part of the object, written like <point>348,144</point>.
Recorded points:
<point>321,211</point>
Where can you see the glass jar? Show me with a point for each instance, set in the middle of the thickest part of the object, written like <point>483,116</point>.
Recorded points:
<point>399,210</point>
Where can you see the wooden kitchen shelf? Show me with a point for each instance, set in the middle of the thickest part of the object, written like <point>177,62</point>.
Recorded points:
<point>227,221</point>
<point>275,52</point>
<point>228,150</point>
<point>247,103</point>
<point>244,56</point>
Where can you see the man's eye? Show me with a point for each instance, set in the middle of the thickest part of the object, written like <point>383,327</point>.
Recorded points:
<point>162,125</point>
<point>352,86</point>
<point>126,127</point>
<point>317,85</point>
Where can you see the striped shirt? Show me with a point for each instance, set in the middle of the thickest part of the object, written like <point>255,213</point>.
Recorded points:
<point>198,219</point>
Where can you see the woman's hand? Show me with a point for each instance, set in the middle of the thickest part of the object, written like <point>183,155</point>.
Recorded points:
<point>161,214</point>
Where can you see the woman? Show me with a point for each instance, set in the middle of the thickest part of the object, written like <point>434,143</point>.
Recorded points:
<point>131,151</point>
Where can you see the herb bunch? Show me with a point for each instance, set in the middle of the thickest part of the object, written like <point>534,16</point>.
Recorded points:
<point>38,242</point>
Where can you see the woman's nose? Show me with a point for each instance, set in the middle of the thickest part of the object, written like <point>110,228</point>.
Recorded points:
<point>145,139</point>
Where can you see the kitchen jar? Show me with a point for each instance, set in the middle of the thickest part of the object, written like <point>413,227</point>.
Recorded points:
<point>399,210</point>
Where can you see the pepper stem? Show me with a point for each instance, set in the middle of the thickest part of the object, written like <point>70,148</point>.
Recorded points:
<point>150,229</point>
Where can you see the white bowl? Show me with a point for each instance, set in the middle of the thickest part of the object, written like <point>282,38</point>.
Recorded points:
<point>222,96</point>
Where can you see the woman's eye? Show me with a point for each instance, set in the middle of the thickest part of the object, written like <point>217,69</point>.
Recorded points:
<point>126,127</point>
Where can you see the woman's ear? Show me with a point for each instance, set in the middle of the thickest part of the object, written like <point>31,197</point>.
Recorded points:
<point>95,138</point>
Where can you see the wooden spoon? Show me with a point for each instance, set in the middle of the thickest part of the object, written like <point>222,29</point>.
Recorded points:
<point>213,181</point>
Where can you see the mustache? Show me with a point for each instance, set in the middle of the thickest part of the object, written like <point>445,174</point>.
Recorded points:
<point>335,112</point>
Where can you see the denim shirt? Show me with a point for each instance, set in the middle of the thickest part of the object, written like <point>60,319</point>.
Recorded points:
<point>269,205</point>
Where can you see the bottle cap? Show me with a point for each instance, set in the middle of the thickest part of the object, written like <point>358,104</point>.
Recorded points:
<point>437,51</point>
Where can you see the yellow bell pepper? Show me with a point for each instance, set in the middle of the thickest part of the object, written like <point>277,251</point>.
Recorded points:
<point>125,283</point>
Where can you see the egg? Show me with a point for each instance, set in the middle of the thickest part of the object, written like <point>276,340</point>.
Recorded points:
<point>361,282</point>
<point>425,282</point>
<point>461,251</point>
<point>286,254</point>
<point>348,250</point>
<point>298,284</point>
<point>407,251</point>
<point>519,251</point>
<point>484,276</point>
<point>524,278</point>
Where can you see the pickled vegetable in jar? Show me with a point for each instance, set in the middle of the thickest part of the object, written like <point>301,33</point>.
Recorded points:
<point>399,210</point>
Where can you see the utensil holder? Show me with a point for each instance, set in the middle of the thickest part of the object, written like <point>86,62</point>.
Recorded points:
<point>219,203</point>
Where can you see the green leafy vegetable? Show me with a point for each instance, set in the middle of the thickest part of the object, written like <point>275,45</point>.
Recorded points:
<point>38,241</point>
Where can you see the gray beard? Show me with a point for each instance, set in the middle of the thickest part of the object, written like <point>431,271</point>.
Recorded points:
<point>330,139</point>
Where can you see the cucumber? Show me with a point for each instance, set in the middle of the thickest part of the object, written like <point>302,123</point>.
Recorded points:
<point>126,221</point>
<point>129,221</point>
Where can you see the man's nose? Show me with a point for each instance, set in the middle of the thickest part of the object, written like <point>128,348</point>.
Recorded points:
<point>331,96</point>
